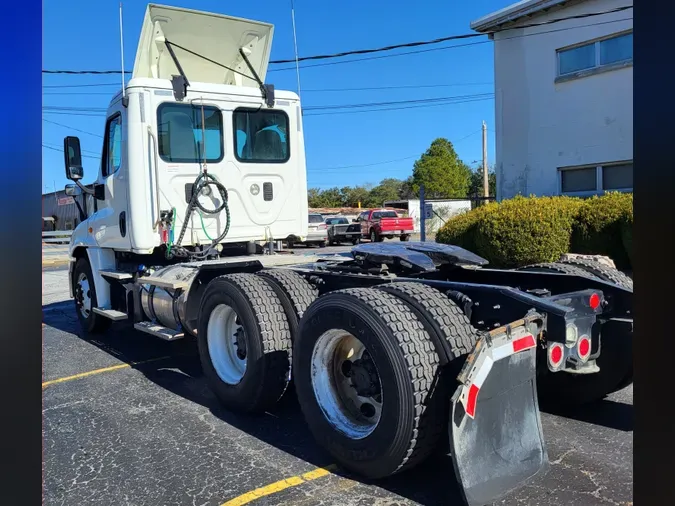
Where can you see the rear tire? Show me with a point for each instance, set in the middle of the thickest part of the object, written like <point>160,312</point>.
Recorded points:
<point>558,267</point>
<point>86,300</point>
<point>617,277</point>
<point>406,368</point>
<point>616,356</point>
<point>405,238</point>
<point>294,292</point>
<point>453,338</point>
<point>262,336</point>
<point>602,271</point>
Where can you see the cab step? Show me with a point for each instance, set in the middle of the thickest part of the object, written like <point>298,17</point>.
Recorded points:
<point>116,275</point>
<point>157,330</point>
<point>113,314</point>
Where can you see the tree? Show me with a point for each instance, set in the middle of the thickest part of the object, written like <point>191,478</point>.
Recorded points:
<point>477,182</point>
<point>441,172</point>
<point>352,196</point>
<point>324,198</point>
<point>407,191</point>
<point>388,189</point>
<point>313,196</point>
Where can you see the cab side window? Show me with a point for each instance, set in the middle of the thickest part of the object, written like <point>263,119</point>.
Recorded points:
<point>113,146</point>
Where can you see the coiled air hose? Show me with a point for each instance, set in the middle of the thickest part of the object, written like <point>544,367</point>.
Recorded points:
<point>203,180</point>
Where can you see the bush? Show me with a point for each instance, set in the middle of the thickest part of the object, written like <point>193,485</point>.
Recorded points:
<point>460,230</point>
<point>602,227</point>
<point>524,231</point>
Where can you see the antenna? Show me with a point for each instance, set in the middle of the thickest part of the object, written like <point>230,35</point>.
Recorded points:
<point>295,47</point>
<point>122,53</point>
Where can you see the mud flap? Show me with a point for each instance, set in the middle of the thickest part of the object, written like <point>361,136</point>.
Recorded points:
<point>496,436</point>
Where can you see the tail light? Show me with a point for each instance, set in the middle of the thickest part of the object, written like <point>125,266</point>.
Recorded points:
<point>164,235</point>
<point>584,348</point>
<point>594,301</point>
<point>556,356</point>
<point>323,226</point>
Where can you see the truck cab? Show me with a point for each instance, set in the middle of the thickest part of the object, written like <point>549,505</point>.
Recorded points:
<point>196,103</point>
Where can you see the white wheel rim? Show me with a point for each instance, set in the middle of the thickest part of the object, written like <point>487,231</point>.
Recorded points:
<point>85,295</point>
<point>354,415</point>
<point>221,336</point>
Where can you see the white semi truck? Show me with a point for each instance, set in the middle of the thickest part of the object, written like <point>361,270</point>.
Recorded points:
<point>396,350</point>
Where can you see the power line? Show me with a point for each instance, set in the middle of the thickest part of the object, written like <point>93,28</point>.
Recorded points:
<point>71,128</point>
<point>418,106</point>
<point>386,48</point>
<point>79,85</point>
<point>443,39</point>
<point>61,151</point>
<point>402,87</point>
<point>394,103</point>
<point>386,161</point>
<point>76,93</point>
<point>83,150</point>
<point>407,53</point>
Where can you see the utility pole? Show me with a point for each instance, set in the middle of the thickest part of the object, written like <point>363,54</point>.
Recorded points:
<point>486,184</point>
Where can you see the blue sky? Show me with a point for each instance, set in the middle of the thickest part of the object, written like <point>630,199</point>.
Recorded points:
<point>81,34</point>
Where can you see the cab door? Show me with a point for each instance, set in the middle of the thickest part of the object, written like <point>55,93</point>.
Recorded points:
<point>111,228</point>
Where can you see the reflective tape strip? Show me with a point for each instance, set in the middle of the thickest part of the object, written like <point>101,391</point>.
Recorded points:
<point>522,343</point>
<point>469,397</point>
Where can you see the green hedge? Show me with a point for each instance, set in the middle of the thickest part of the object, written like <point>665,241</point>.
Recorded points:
<point>598,229</point>
<point>524,231</point>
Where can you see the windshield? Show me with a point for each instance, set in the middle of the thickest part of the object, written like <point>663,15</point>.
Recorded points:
<point>315,218</point>
<point>385,214</point>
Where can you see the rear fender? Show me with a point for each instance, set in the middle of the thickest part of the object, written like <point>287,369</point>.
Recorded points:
<point>497,442</point>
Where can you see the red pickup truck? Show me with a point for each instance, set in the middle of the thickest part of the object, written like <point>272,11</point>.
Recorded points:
<point>377,224</point>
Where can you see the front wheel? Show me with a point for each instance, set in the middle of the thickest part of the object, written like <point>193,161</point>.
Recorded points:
<point>85,299</point>
<point>405,238</point>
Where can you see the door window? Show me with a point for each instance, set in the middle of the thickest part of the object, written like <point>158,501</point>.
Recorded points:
<point>113,146</point>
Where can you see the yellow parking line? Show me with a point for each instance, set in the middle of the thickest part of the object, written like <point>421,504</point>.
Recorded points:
<point>99,371</point>
<point>278,486</point>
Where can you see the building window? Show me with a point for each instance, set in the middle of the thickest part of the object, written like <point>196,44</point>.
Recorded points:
<point>180,133</point>
<point>261,136</point>
<point>591,180</point>
<point>603,52</point>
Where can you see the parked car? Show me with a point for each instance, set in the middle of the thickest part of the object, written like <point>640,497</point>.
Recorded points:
<point>317,232</point>
<point>377,224</point>
<point>340,230</point>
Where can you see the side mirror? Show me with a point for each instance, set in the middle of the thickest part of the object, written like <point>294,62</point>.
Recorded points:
<point>72,190</point>
<point>73,158</point>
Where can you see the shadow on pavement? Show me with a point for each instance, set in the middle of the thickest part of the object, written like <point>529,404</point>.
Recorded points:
<point>432,483</point>
<point>605,413</point>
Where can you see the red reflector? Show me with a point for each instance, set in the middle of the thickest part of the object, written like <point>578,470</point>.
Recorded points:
<point>523,343</point>
<point>594,301</point>
<point>471,400</point>
<point>584,347</point>
<point>556,354</point>
<point>165,236</point>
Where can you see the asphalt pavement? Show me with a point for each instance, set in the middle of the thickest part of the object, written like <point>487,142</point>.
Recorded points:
<point>128,419</point>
